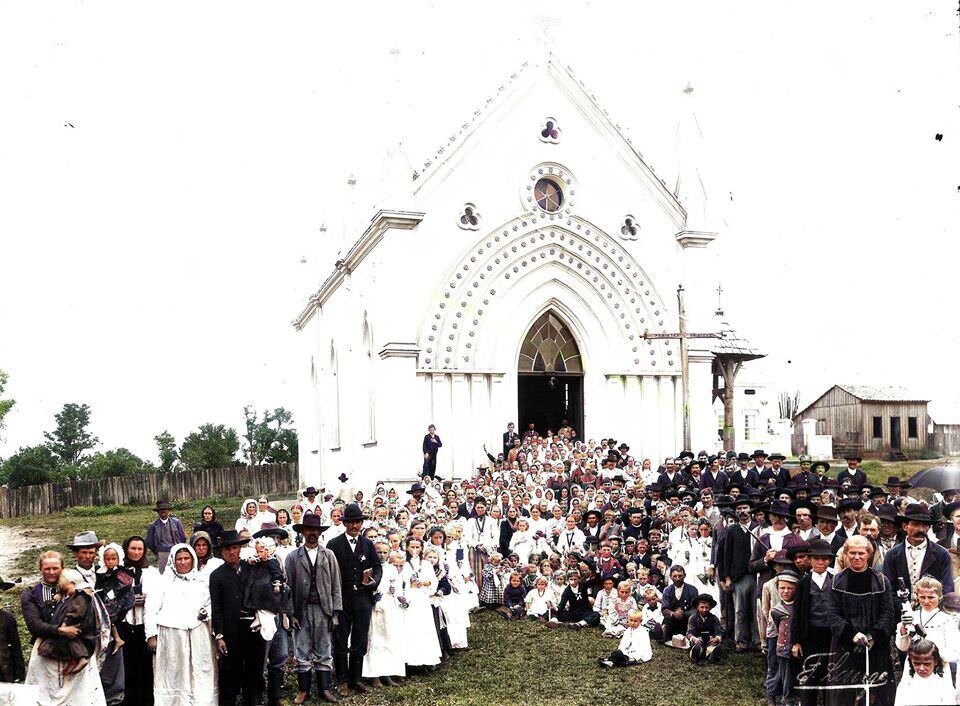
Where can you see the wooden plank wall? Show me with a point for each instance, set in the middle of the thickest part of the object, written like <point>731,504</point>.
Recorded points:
<point>885,410</point>
<point>247,481</point>
<point>841,413</point>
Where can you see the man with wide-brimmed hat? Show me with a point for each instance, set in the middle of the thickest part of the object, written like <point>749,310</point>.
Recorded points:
<point>853,472</point>
<point>735,574</point>
<point>163,533</point>
<point>776,475</point>
<point>827,521</point>
<point>313,575</point>
<point>310,504</point>
<point>240,649</point>
<point>84,547</point>
<point>811,628</point>
<point>917,556</point>
<point>360,573</point>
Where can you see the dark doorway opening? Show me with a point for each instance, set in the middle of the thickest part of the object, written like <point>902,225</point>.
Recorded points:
<point>895,443</point>
<point>547,400</point>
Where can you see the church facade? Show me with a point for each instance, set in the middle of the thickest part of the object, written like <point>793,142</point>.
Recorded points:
<point>514,280</point>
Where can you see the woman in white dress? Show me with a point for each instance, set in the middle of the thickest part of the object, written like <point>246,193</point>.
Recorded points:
<point>700,571</point>
<point>178,628</point>
<point>385,655</point>
<point>421,646</point>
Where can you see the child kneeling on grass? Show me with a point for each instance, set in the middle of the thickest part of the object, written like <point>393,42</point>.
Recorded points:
<point>634,646</point>
<point>704,631</point>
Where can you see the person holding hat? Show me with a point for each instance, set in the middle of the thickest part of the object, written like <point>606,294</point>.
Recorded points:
<point>431,446</point>
<point>163,533</point>
<point>313,575</point>
<point>12,668</point>
<point>852,472</point>
<point>360,573</point>
<point>704,631</point>
<point>811,629</point>
<point>241,650</point>
<point>917,556</point>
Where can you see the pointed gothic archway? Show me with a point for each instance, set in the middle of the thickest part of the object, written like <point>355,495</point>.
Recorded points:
<point>550,377</point>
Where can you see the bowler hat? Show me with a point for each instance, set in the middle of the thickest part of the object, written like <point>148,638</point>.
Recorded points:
<point>310,490</point>
<point>888,513</point>
<point>779,508</point>
<point>416,488</point>
<point>312,521</point>
<point>827,513</point>
<point>820,547</point>
<point>800,547</point>
<point>272,529</point>
<point>892,482</point>
<point>759,452</point>
<point>916,513</point>
<point>84,540</point>
<point>706,598</point>
<point>849,504</point>
<point>777,457</point>
<point>353,513</point>
<point>743,456</point>
<point>594,513</point>
<point>686,454</point>
<point>232,538</point>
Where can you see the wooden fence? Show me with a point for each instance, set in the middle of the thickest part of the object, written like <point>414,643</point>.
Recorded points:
<point>147,488</point>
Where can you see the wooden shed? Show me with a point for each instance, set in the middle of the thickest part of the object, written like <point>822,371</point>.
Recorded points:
<point>873,420</point>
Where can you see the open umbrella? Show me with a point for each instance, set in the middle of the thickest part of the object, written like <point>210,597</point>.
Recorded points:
<point>938,478</point>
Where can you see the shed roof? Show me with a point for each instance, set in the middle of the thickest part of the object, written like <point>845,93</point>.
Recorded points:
<point>882,393</point>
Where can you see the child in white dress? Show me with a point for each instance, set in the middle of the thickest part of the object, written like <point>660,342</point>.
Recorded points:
<point>924,681</point>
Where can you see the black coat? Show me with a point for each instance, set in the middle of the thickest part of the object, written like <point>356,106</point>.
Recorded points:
<point>737,547</point>
<point>352,565</point>
<point>226,601</point>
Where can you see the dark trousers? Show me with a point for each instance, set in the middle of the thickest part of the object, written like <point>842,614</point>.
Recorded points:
<point>354,629</point>
<point>430,467</point>
<point>811,668</point>
<point>241,669</point>
<point>138,663</point>
<point>673,626</point>
<point>727,612</point>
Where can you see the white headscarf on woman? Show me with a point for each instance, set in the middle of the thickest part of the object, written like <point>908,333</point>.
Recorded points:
<point>102,569</point>
<point>192,575</point>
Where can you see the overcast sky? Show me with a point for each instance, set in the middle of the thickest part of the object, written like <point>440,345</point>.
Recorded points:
<point>165,171</point>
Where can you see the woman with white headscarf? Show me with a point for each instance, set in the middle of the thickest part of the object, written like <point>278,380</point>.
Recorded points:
<point>248,517</point>
<point>178,629</point>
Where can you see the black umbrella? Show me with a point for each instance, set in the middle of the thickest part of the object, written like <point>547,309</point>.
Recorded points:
<point>938,478</point>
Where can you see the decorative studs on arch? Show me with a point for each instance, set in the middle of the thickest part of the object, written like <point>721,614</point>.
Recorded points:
<point>469,217</point>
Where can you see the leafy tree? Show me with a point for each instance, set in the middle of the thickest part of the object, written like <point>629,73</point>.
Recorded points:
<point>112,463</point>
<point>167,450</point>
<point>5,405</point>
<point>71,439</point>
<point>33,465</point>
<point>211,446</point>
<point>271,439</point>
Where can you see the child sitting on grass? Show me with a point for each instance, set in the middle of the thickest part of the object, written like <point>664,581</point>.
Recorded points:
<point>513,598</point>
<point>634,646</point>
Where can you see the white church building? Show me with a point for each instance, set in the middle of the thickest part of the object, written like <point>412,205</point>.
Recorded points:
<point>512,279</point>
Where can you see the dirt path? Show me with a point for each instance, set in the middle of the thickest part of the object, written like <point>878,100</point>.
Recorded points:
<point>16,540</point>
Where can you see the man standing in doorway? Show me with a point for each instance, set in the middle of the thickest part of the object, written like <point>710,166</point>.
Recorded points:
<point>431,445</point>
<point>360,573</point>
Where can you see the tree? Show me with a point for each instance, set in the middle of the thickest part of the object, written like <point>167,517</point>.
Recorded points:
<point>167,451</point>
<point>270,440</point>
<point>119,462</point>
<point>211,446</point>
<point>5,405</point>
<point>71,439</point>
<point>33,465</point>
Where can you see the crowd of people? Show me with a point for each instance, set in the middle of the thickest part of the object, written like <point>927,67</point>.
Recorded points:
<point>826,578</point>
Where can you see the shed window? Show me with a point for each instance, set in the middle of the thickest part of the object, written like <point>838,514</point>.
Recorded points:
<point>911,427</point>
<point>878,427</point>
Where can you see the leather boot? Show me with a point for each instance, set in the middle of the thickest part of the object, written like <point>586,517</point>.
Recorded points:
<point>356,677</point>
<point>303,688</point>
<point>323,686</point>
<point>376,683</point>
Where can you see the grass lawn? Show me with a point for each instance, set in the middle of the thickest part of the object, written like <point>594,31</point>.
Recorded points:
<point>507,663</point>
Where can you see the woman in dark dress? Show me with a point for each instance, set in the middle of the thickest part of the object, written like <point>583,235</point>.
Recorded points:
<point>208,523</point>
<point>137,659</point>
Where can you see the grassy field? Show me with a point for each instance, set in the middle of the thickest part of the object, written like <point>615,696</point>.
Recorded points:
<point>507,663</point>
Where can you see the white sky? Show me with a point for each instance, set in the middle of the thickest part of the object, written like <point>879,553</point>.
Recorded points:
<point>150,255</point>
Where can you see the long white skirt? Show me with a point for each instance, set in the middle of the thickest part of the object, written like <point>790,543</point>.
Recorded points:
<point>456,613</point>
<point>184,669</point>
<point>385,657</point>
<point>421,646</point>
<point>58,689</point>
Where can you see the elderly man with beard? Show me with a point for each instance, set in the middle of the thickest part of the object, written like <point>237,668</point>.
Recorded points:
<point>917,556</point>
<point>863,616</point>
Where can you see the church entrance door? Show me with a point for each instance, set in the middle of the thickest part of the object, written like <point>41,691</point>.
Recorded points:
<point>550,378</point>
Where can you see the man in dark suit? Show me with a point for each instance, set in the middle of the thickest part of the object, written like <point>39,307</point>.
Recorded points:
<point>852,472</point>
<point>745,476</point>
<point>510,439</point>
<point>677,604</point>
<point>360,573</point>
<point>917,557</point>
<point>431,445</point>
<point>465,509</point>
<point>241,650</point>
<point>735,574</point>
<point>776,473</point>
